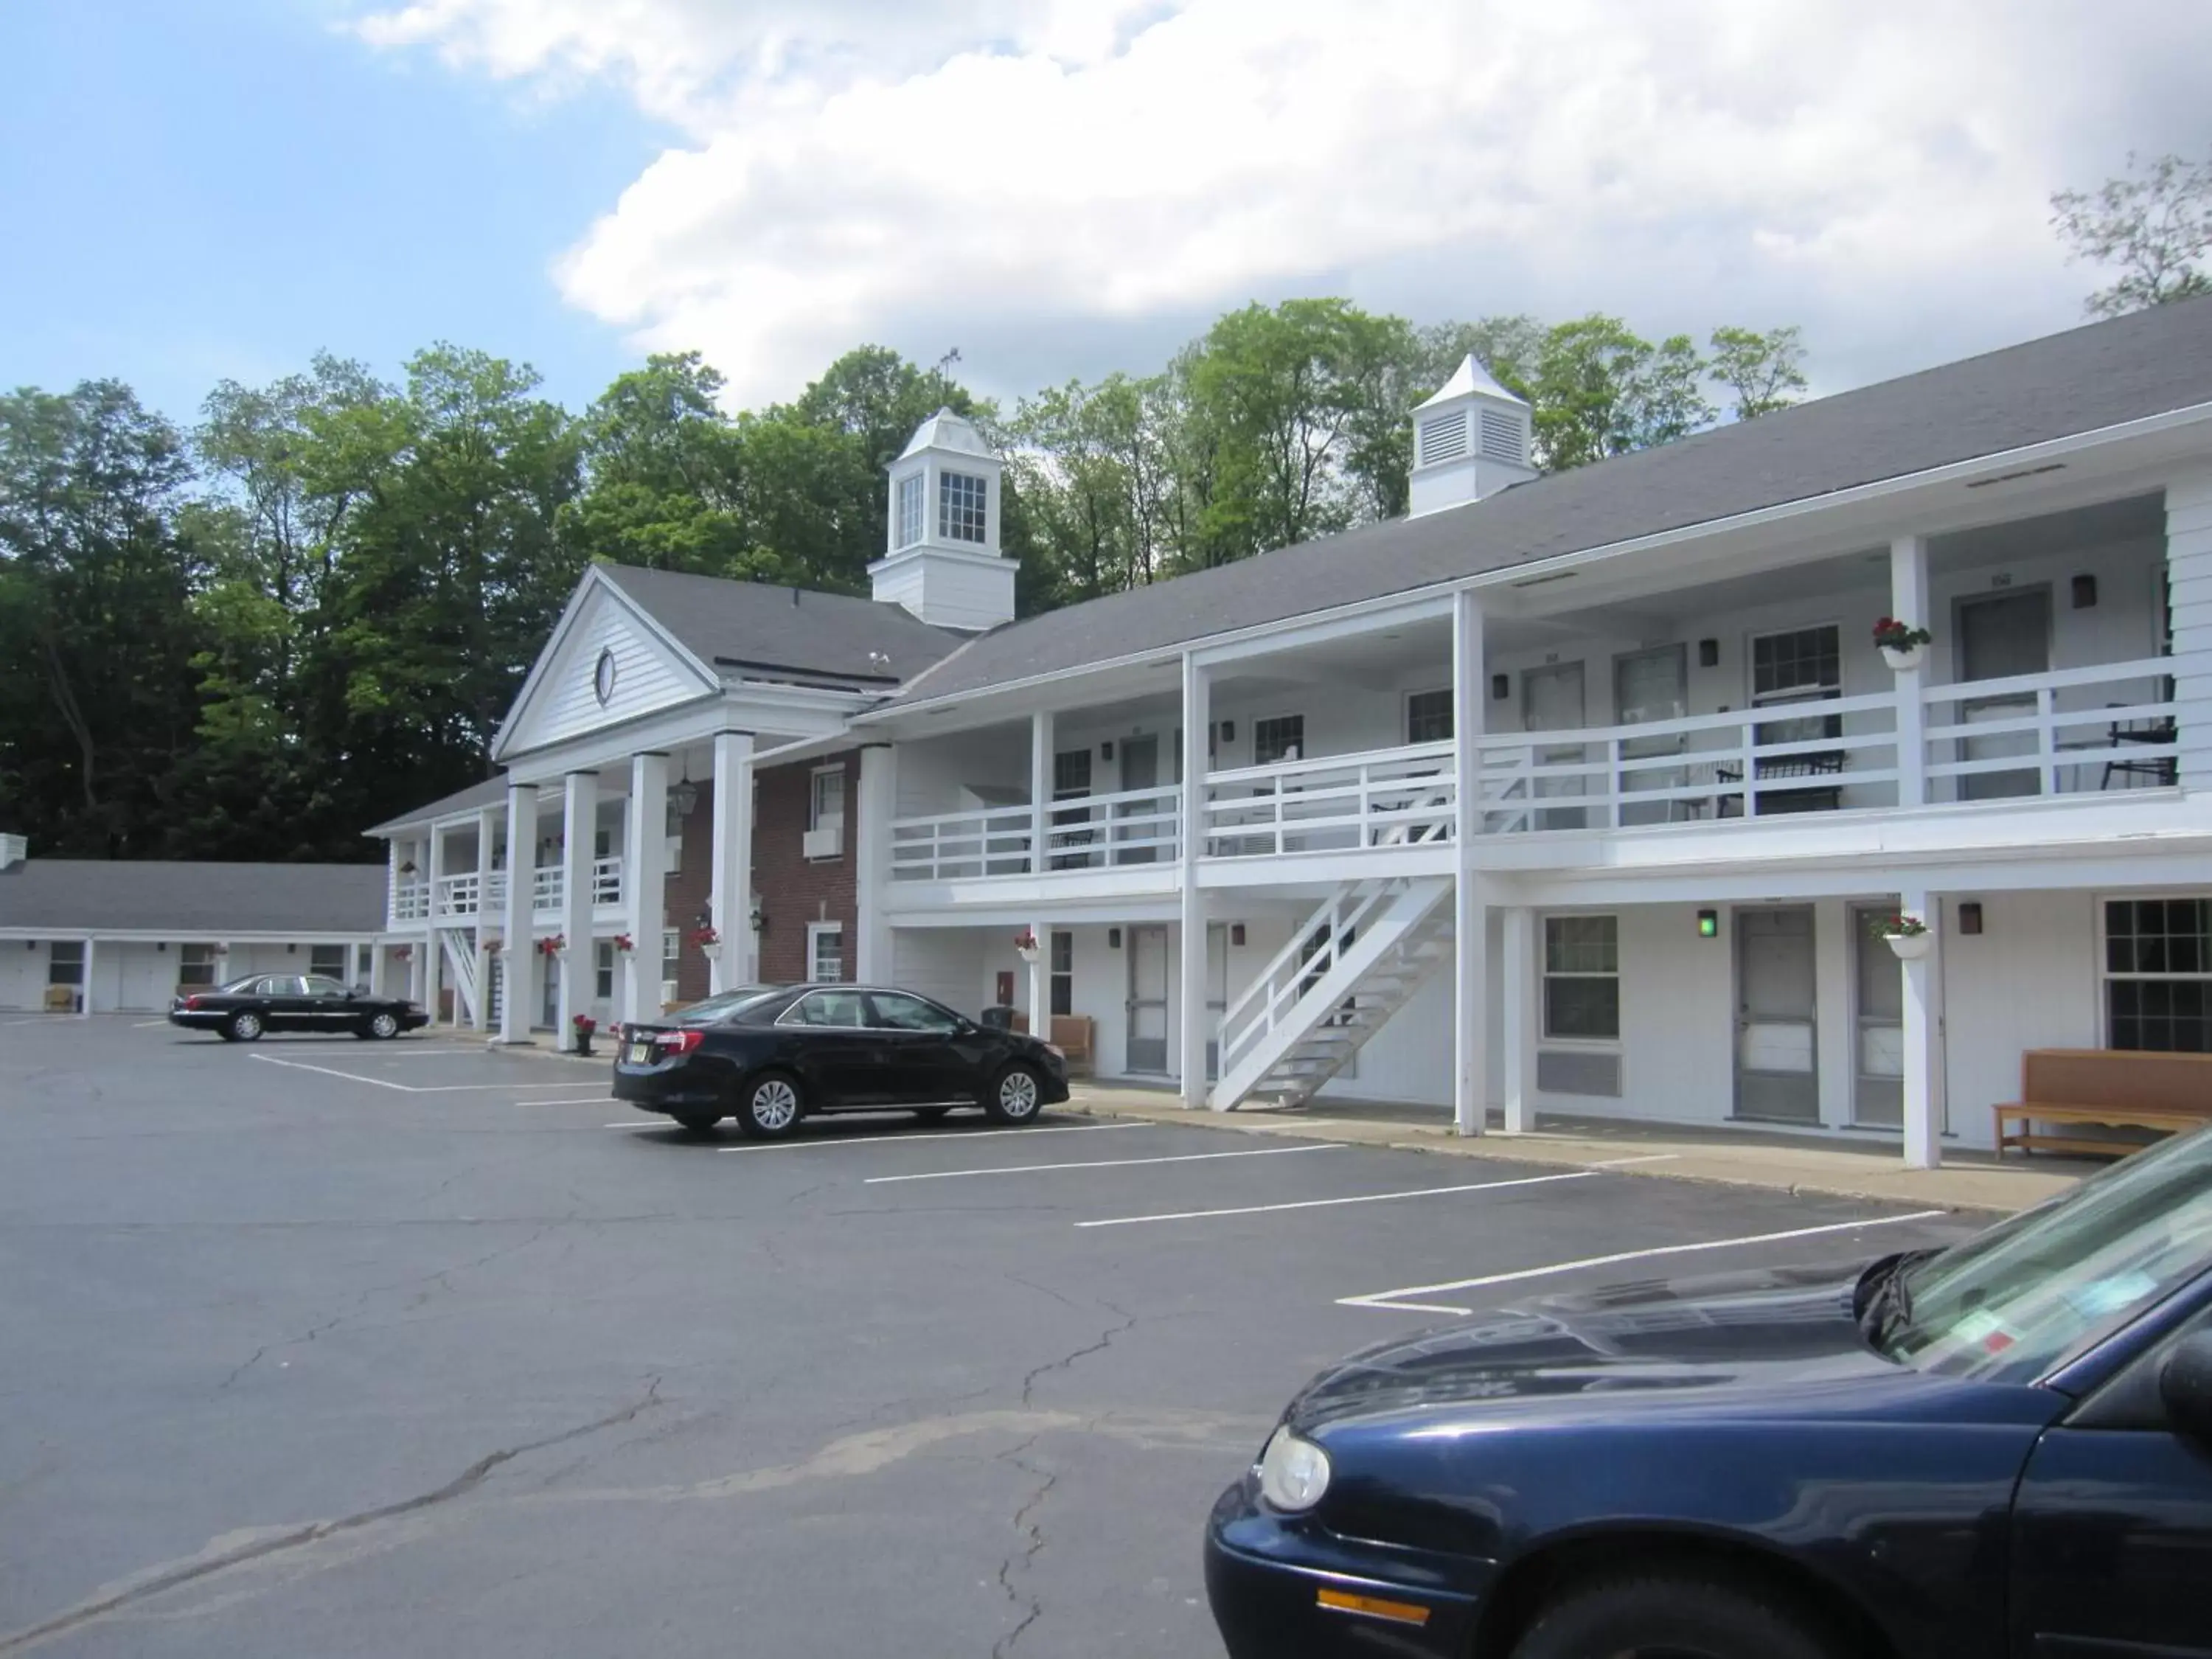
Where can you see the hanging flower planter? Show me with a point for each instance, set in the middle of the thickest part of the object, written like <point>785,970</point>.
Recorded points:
<point>624,943</point>
<point>710,943</point>
<point>1025,945</point>
<point>1910,937</point>
<point>1904,647</point>
<point>556,945</point>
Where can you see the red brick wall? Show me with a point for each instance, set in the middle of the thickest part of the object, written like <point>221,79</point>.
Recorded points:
<point>794,890</point>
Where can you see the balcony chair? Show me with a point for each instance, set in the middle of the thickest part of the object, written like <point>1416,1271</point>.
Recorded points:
<point>2160,769</point>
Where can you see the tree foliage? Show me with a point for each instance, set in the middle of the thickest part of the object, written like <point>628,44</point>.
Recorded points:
<point>2153,223</point>
<point>252,639</point>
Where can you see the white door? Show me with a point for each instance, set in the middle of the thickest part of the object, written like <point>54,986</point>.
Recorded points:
<point>1775,1069</point>
<point>1552,701</point>
<point>1147,1045</point>
<point>1878,1020</point>
<point>1141,770</point>
<point>1648,686</point>
<point>2002,635</point>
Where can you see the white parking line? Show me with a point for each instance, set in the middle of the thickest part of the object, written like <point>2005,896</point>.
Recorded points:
<point>1391,1298</point>
<point>1323,1203</point>
<point>419,1088</point>
<point>147,1024</point>
<point>642,1123</point>
<point>1103,1163</point>
<point>604,1100</point>
<point>864,1140</point>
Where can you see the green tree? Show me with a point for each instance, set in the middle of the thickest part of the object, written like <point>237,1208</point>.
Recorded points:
<point>1762,370</point>
<point>1600,390</point>
<point>2154,223</point>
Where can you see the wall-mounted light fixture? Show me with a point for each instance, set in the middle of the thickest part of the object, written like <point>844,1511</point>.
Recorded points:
<point>1970,916</point>
<point>1106,750</point>
<point>1236,932</point>
<point>1708,924</point>
<point>1501,687</point>
<point>1709,654</point>
<point>1229,731</point>
<point>2085,591</point>
<point>1113,939</point>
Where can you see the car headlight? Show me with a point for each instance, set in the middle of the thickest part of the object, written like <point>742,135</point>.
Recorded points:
<point>1293,1472</point>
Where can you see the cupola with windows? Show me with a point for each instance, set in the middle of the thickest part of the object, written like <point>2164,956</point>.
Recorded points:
<point>942,560</point>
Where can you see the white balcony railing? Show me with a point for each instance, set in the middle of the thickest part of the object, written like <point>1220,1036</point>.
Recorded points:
<point>458,895</point>
<point>548,882</point>
<point>2076,730</point>
<point>955,846</point>
<point>411,901</point>
<point>1090,832</point>
<point>548,886</point>
<point>1385,798</point>
<point>607,881</point>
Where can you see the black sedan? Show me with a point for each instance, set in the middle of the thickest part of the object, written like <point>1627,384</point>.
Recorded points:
<point>243,1010</point>
<point>770,1055</point>
<point>2000,1449</point>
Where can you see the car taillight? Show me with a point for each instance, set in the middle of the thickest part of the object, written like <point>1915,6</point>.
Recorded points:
<point>679,1043</point>
<point>191,1003</point>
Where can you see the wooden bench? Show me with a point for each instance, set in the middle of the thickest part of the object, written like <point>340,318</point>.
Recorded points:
<point>1076,1036</point>
<point>2110,1088</point>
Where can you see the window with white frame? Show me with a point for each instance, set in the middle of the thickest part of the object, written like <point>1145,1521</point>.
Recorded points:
<point>1280,737</point>
<point>1063,974</point>
<point>195,964</point>
<point>910,510</point>
<point>65,962</point>
<point>1804,664</point>
<point>826,801</point>
<point>1429,716</point>
<point>603,970</point>
<point>1582,978</point>
<point>671,947</point>
<point>328,960</point>
<point>962,504</point>
<point>2158,973</point>
<point>825,951</point>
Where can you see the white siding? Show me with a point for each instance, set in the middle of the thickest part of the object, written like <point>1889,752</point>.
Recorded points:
<point>649,675</point>
<point>2188,567</point>
<point>2028,980</point>
<point>939,776</point>
<point>943,963</point>
<point>22,975</point>
<point>948,590</point>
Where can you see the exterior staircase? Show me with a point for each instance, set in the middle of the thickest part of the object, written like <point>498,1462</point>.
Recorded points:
<point>1351,965</point>
<point>457,946</point>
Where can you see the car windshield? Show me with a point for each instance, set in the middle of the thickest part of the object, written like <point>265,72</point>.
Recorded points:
<point>2009,1304</point>
<point>727,1004</point>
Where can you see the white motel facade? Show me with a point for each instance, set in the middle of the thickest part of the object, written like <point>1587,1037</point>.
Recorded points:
<point>1582,794</point>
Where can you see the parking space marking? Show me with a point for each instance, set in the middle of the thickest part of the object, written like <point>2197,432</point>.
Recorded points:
<point>1391,1299</point>
<point>604,1100</point>
<point>642,1123</point>
<point>418,1088</point>
<point>1103,1163</point>
<point>1324,1203</point>
<point>862,1140</point>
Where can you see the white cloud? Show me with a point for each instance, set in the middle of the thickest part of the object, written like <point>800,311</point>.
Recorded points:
<point>986,172</point>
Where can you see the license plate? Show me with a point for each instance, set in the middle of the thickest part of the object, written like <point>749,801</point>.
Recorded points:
<point>641,1054</point>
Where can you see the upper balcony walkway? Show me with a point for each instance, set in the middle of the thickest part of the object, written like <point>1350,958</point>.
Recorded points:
<point>462,900</point>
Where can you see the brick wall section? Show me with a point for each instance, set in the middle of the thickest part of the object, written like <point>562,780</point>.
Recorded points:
<point>794,890</point>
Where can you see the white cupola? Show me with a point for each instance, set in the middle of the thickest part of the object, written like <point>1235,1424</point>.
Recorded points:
<point>1470,440</point>
<point>942,560</point>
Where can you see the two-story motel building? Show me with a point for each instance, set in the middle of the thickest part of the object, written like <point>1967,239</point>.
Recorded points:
<point>1577,794</point>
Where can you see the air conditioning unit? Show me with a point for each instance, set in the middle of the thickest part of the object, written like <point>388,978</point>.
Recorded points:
<point>827,842</point>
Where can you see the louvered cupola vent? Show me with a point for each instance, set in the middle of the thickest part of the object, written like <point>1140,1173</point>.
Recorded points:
<point>1472,441</point>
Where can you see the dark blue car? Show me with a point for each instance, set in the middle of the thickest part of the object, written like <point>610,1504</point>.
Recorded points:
<point>2000,1449</point>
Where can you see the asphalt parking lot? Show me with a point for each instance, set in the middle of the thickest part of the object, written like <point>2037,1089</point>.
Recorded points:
<point>325,1347</point>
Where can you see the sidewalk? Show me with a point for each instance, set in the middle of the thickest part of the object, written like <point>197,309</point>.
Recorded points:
<point>1749,1157</point>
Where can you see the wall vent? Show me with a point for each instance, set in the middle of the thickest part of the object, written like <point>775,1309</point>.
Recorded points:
<point>1504,437</point>
<point>1578,1071</point>
<point>1444,437</point>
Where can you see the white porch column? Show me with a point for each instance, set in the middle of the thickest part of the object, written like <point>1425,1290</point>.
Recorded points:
<point>730,898</point>
<point>1197,725</point>
<point>1470,914</point>
<point>644,893</point>
<point>517,938</point>
<point>2189,587</point>
<point>434,958</point>
<point>84,1002</point>
<point>1040,792</point>
<point>579,822</point>
<point>1520,1020</point>
<point>1923,1039</point>
<point>488,822</point>
<point>868,824</point>
<point>1908,603</point>
<point>376,956</point>
<point>1041,985</point>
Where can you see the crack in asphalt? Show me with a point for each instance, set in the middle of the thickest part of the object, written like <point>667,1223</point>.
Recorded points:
<point>315,1532</point>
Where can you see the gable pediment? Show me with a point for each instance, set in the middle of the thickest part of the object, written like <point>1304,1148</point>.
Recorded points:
<point>606,664</point>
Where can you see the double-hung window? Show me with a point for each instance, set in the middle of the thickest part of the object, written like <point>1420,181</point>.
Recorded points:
<point>1279,737</point>
<point>962,508</point>
<point>1429,716</point>
<point>65,962</point>
<point>1582,978</point>
<point>195,965</point>
<point>2158,973</point>
<point>825,951</point>
<point>1063,975</point>
<point>910,510</point>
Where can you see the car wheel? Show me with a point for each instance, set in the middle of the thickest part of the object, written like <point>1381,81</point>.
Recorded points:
<point>768,1108</point>
<point>1679,1617</point>
<point>930,1114</point>
<point>383,1027</point>
<point>1017,1095</point>
<point>699,1123</point>
<point>245,1026</point>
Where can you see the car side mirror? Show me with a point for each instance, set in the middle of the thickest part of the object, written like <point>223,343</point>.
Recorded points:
<point>2185,1387</point>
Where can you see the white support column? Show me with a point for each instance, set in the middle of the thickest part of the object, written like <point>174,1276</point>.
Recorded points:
<point>1520,1020</point>
<point>487,823</point>
<point>517,932</point>
<point>1923,1039</point>
<point>1040,986</point>
<point>868,826</point>
<point>645,889</point>
<point>1470,912</point>
<point>1908,603</point>
<point>2189,598</point>
<point>84,1002</point>
<point>376,956</point>
<point>732,877</point>
<point>434,960</point>
<point>579,822</point>
<point>1835,967</point>
<point>1197,723</point>
<point>1040,792</point>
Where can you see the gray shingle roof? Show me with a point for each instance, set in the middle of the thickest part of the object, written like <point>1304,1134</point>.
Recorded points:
<point>2075,382</point>
<point>492,791</point>
<point>753,625</point>
<point>191,901</point>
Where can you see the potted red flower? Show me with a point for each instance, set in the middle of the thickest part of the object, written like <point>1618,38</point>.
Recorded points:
<point>1025,945</point>
<point>585,1025</point>
<point>1908,935</point>
<point>708,941</point>
<point>1903,645</point>
<point>624,943</point>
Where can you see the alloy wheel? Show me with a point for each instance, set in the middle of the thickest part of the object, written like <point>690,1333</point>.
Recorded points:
<point>1018,1094</point>
<point>774,1104</point>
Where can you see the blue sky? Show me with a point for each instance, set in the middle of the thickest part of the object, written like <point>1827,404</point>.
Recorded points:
<point>226,186</point>
<point>196,189</point>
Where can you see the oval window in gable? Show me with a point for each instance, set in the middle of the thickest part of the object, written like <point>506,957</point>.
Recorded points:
<point>603,676</point>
